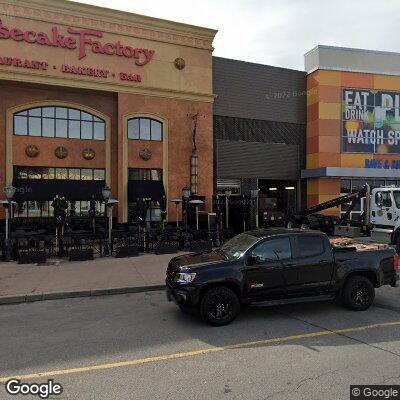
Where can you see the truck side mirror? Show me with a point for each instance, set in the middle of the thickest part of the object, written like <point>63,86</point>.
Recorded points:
<point>379,199</point>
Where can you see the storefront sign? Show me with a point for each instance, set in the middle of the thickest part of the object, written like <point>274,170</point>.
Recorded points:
<point>96,72</point>
<point>370,121</point>
<point>382,164</point>
<point>29,64</point>
<point>82,40</point>
<point>68,69</point>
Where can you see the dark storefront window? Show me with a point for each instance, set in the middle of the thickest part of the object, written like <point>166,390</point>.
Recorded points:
<point>144,174</point>
<point>99,174</point>
<point>60,122</point>
<point>86,174</point>
<point>34,208</point>
<point>48,173</point>
<point>43,209</point>
<point>58,173</point>
<point>145,129</point>
<point>234,185</point>
<point>277,196</point>
<point>74,174</point>
<point>61,173</point>
<point>145,185</point>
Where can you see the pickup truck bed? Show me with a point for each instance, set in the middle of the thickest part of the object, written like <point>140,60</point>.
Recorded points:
<point>356,243</point>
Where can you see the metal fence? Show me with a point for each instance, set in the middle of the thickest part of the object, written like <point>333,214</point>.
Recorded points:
<point>144,240</point>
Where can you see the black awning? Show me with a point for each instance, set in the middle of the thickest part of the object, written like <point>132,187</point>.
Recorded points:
<point>46,189</point>
<point>153,190</point>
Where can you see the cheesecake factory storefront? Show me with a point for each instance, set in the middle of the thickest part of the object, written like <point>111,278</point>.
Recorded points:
<point>92,97</point>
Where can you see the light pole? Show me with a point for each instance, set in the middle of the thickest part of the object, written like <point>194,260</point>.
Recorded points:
<point>186,195</point>
<point>244,213</point>
<point>228,193</point>
<point>9,192</point>
<point>218,219</point>
<point>254,195</point>
<point>106,192</point>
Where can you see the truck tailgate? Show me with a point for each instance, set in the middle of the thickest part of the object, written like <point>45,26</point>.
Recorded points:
<point>379,260</point>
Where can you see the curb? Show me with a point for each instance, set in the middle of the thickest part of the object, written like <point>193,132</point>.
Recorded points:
<point>29,298</point>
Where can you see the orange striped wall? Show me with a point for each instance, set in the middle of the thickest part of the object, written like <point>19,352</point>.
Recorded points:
<point>324,90</point>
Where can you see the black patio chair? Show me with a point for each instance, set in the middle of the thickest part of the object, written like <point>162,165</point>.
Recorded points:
<point>40,242</point>
<point>50,245</point>
<point>153,236</point>
<point>22,244</point>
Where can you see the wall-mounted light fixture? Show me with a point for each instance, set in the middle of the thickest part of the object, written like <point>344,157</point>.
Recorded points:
<point>194,173</point>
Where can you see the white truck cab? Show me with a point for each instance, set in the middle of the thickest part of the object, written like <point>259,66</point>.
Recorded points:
<point>384,214</point>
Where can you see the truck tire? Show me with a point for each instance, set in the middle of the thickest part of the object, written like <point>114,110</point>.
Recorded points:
<point>358,293</point>
<point>219,306</point>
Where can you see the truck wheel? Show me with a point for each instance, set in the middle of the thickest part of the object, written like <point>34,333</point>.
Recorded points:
<point>358,293</point>
<point>219,306</point>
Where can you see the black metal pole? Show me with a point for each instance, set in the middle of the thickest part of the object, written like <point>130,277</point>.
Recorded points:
<point>8,249</point>
<point>107,244</point>
<point>219,220</point>
<point>185,241</point>
<point>186,215</point>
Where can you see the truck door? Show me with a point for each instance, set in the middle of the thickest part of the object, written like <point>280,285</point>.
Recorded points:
<point>315,264</point>
<point>272,271</point>
<point>382,208</point>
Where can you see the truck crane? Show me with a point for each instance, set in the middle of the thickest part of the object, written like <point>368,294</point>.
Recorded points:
<point>380,219</point>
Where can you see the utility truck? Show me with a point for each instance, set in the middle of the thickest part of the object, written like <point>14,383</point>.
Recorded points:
<point>380,218</point>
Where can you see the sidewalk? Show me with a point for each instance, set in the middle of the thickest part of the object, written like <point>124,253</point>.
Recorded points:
<point>62,279</point>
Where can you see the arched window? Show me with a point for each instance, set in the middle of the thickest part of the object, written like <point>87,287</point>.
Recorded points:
<point>145,129</point>
<point>59,122</point>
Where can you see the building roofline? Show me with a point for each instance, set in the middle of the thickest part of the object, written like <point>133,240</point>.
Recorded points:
<point>93,11</point>
<point>322,46</point>
<point>260,64</point>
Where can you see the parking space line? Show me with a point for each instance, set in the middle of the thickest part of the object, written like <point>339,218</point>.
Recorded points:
<point>209,350</point>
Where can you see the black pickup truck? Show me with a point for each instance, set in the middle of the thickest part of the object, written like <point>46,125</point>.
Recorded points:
<point>277,266</point>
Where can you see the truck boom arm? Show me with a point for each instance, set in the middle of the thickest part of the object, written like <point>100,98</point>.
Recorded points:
<point>351,197</point>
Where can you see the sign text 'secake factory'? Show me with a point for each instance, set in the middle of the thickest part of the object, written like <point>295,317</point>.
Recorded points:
<point>80,39</point>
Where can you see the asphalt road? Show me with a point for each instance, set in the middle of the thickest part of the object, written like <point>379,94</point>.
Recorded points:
<point>139,346</point>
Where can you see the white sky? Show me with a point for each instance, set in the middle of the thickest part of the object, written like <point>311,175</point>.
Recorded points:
<point>279,32</point>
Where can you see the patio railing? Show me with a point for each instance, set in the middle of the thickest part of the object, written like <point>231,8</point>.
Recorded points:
<point>150,240</point>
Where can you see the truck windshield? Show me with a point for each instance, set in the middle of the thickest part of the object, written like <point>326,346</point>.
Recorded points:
<point>396,195</point>
<point>237,246</point>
